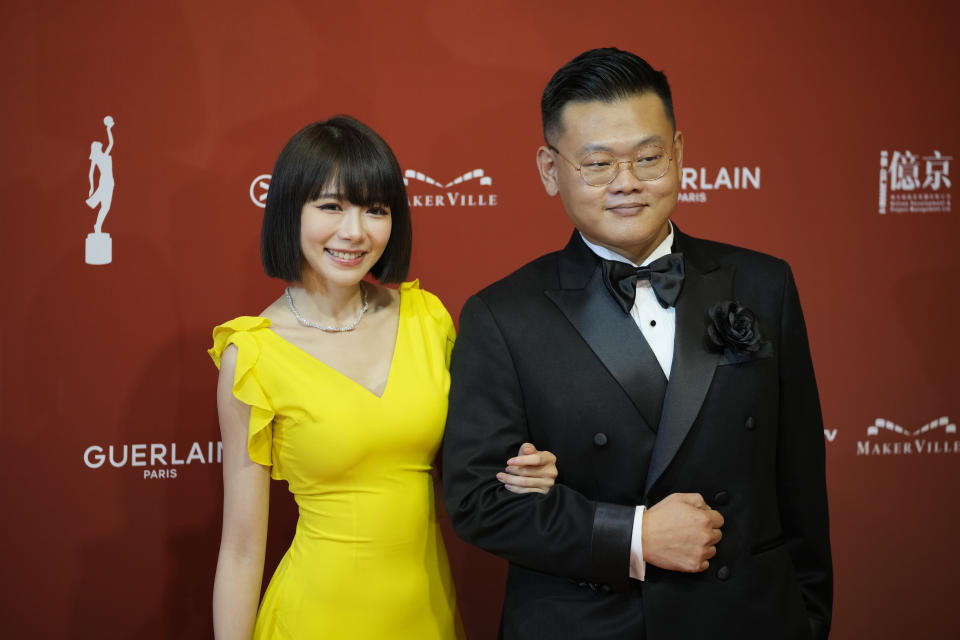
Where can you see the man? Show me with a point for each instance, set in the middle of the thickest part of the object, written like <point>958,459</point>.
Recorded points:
<point>680,401</point>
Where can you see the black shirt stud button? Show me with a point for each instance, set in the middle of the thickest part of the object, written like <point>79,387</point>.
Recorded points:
<point>750,423</point>
<point>600,439</point>
<point>723,573</point>
<point>721,498</point>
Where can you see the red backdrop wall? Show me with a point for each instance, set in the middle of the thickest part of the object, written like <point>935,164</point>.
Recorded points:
<point>788,112</point>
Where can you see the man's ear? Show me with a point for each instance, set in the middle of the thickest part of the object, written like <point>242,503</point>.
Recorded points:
<point>547,165</point>
<point>678,150</point>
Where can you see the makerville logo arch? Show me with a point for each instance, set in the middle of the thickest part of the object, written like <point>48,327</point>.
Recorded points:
<point>887,438</point>
<point>472,189</point>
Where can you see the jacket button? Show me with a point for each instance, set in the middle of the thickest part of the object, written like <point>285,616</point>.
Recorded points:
<point>750,423</point>
<point>723,573</point>
<point>721,498</point>
<point>600,439</point>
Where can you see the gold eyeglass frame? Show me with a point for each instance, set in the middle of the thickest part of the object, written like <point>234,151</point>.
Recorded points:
<point>632,164</point>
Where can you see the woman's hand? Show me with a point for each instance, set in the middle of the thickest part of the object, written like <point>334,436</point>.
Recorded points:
<point>529,471</point>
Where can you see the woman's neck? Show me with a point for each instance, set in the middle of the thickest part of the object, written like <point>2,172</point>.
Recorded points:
<point>321,301</point>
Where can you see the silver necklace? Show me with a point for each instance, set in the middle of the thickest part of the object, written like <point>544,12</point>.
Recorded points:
<point>308,323</point>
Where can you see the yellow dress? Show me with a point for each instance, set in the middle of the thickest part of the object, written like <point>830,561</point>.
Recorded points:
<point>367,559</point>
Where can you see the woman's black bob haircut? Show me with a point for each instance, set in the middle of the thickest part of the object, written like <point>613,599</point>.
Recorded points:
<point>341,156</point>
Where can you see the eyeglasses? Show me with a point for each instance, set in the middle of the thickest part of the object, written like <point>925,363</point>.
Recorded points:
<point>600,168</point>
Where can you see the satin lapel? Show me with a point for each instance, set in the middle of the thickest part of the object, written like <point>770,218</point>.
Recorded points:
<point>614,338</point>
<point>693,366</point>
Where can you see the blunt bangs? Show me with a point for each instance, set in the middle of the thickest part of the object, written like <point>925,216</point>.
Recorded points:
<point>362,176</point>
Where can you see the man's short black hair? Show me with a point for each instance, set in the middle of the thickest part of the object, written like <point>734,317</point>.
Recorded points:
<point>341,155</point>
<point>606,75</point>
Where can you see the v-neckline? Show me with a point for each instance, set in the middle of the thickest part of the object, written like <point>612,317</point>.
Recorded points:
<point>393,357</point>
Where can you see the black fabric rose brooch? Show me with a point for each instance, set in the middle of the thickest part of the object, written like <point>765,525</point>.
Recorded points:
<point>735,331</point>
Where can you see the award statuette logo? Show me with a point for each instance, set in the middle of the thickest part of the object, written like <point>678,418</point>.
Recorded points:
<point>99,244</point>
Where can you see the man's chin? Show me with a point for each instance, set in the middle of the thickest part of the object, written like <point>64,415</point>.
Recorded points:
<point>635,246</point>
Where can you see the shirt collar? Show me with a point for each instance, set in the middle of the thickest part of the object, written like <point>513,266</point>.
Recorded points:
<point>662,249</point>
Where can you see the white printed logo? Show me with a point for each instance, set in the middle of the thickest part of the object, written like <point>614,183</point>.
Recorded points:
<point>463,197</point>
<point>903,189</point>
<point>695,183</point>
<point>159,461</point>
<point>99,247</point>
<point>931,438</point>
<point>457,192</point>
<point>259,188</point>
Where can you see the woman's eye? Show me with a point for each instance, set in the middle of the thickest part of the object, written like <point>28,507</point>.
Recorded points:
<point>379,211</point>
<point>329,206</point>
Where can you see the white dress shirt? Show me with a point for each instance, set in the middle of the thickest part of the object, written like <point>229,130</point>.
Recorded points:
<point>658,326</point>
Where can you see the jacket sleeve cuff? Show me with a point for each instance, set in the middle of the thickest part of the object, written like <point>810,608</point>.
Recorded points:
<point>611,542</point>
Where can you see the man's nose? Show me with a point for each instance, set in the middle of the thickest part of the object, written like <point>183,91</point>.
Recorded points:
<point>625,181</point>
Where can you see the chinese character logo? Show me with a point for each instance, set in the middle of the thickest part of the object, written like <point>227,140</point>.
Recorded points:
<point>910,183</point>
<point>937,171</point>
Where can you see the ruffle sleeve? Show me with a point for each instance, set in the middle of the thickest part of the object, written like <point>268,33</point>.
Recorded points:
<point>246,386</point>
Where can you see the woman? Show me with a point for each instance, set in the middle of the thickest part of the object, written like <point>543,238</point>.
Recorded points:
<point>340,388</point>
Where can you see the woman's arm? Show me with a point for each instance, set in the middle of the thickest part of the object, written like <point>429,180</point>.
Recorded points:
<point>109,124</point>
<point>246,501</point>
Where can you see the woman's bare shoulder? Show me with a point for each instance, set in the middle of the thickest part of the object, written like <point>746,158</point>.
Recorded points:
<point>278,313</point>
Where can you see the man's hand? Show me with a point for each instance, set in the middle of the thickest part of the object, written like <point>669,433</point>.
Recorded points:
<point>530,471</point>
<point>680,533</point>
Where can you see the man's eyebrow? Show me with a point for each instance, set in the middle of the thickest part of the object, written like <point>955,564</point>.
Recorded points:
<point>599,146</point>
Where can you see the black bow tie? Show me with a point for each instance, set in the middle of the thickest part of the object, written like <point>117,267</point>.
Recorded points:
<point>665,275</point>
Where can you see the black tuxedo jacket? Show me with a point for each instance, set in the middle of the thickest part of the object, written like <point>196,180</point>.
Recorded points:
<point>546,355</point>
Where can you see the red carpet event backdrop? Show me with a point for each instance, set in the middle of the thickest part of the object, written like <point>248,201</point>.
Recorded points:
<point>138,144</point>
